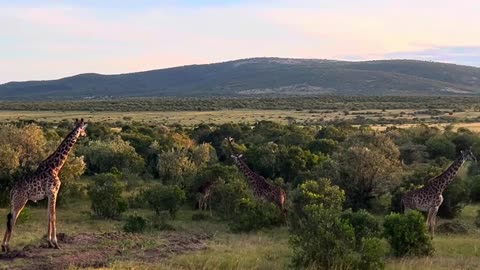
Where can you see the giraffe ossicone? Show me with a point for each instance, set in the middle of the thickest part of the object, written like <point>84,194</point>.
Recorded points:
<point>429,197</point>
<point>43,183</point>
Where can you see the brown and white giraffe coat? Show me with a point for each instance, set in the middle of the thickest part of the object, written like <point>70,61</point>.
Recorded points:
<point>44,182</point>
<point>429,197</point>
<point>261,187</point>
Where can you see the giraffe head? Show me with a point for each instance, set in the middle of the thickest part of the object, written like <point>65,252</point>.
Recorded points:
<point>81,127</point>
<point>468,155</point>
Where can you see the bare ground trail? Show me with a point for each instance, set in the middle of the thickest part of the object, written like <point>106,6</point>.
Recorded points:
<point>99,250</point>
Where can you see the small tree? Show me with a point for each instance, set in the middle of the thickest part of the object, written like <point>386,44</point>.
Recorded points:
<point>407,234</point>
<point>165,198</point>
<point>369,167</point>
<point>105,194</point>
<point>251,214</point>
<point>322,237</point>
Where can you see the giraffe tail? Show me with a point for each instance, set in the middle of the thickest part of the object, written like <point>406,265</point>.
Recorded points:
<point>9,221</point>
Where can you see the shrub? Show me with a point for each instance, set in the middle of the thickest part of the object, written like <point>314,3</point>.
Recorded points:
<point>165,198</point>
<point>135,224</point>
<point>407,234</point>
<point>455,197</point>
<point>253,214</point>
<point>324,237</point>
<point>226,197</point>
<point>321,193</point>
<point>323,241</point>
<point>103,156</point>
<point>475,189</point>
<point>364,224</point>
<point>105,194</point>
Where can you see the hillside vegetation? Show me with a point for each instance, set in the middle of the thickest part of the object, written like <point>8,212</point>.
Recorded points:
<point>260,77</point>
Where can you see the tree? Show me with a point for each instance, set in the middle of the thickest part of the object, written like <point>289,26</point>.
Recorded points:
<point>369,167</point>
<point>103,156</point>
<point>440,146</point>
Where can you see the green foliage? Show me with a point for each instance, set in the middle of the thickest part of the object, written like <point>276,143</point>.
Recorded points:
<point>165,198</point>
<point>369,167</point>
<point>103,156</point>
<point>455,196</point>
<point>320,193</point>
<point>227,196</point>
<point>323,237</point>
<point>216,174</point>
<point>365,225</point>
<point>440,146</point>
<point>251,214</point>
<point>407,234</point>
<point>135,224</point>
<point>475,189</point>
<point>327,241</point>
<point>105,195</point>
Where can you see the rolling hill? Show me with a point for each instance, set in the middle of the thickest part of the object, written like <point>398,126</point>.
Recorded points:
<point>260,77</point>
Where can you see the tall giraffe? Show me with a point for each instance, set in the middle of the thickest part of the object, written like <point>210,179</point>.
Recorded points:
<point>429,197</point>
<point>44,182</point>
<point>261,188</point>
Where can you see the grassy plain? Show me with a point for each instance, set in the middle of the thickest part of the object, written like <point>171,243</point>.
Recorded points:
<point>379,119</point>
<point>193,245</point>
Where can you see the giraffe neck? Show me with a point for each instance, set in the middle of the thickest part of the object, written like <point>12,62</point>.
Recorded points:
<point>449,174</point>
<point>251,175</point>
<point>56,160</point>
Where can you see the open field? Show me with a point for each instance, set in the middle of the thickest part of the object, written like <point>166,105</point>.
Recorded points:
<point>87,242</point>
<point>380,119</point>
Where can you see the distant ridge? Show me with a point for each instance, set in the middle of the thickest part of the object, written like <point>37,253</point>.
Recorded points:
<point>262,77</point>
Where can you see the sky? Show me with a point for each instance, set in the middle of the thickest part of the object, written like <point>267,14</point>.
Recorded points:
<point>49,39</point>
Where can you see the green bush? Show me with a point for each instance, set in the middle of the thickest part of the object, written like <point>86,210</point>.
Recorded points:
<point>475,189</point>
<point>165,198</point>
<point>226,197</point>
<point>324,237</point>
<point>324,240</point>
<point>364,224</point>
<point>253,214</point>
<point>105,195</point>
<point>455,197</point>
<point>135,224</point>
<point>407,234</point>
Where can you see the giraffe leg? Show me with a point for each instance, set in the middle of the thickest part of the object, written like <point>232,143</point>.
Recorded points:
<point>17,207</point>
<point>52,234</point>
<point>430,219</point>
<point>434,219</point>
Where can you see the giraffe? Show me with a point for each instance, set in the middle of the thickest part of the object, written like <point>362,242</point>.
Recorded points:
<point>261,188</point>
<point>429,197</point>
<point>205,191</point>
<point>44,182</point>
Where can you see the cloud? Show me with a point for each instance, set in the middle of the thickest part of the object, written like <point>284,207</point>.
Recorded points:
<point>61,38</point>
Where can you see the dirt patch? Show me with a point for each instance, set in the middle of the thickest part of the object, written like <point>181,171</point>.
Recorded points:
<point>98,250</point>
<point>176,243</point>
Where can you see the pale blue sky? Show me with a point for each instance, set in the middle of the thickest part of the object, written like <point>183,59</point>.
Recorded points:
<point>54,39</point>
